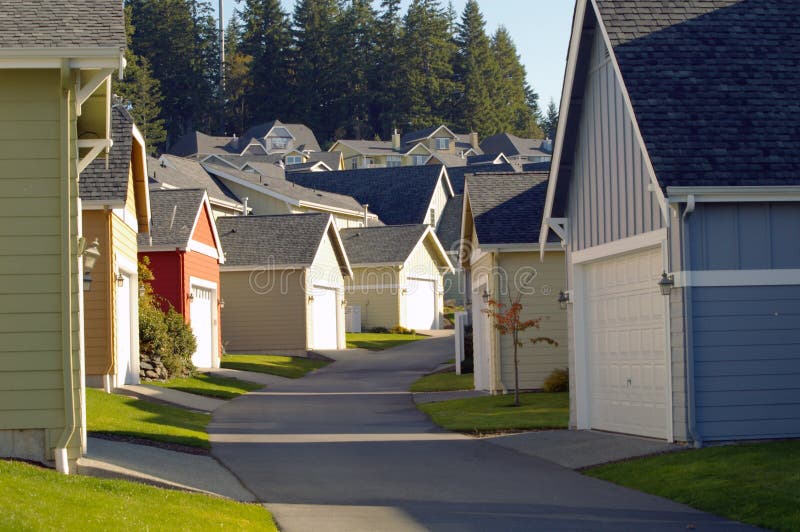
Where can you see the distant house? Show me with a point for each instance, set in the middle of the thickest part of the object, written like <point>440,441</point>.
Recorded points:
<point>55,78</point>
<point>500,252</point>
<point>412,149</point>
<point>449,235</point>
<point>519,150</point>
<point>397,276</point>
<point>674,189</point>
<point>185,256</point>
<point>284,284</point>
<point>115,208</point>
<point>458,174</point>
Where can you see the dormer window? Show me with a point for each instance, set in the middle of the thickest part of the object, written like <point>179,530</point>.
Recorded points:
<point>442,143</point>
<point>294,159</point>
<point>432,221</point>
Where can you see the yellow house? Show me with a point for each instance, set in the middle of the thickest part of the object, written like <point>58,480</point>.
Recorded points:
<point>500,251</point>
<point>54,120</point>
<point>115,207</point>
<point>397,277</point>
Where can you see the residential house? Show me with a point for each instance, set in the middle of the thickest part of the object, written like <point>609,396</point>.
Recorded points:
<point>500,252</point>
<point>449,235</point>
<point>55,104</point>
<point>284,284</point>
<point>115,208</point>
<point>519,150</point>
<point>397,276</point>
<point>675,172</point>
<point>273,195</point>
<point>185,255</point>
<point>457,174</point>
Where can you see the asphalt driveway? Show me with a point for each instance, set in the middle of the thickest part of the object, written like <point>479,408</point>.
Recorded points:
<point>346,449</point>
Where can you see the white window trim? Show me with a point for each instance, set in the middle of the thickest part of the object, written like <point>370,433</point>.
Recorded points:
<point>203,283</point>
<point>618,247</point>
<point>203,249</point>
<point>720,278</point>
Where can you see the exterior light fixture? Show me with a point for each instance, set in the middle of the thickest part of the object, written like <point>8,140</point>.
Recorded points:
<point>120,280</point>
<point>142,290</point>
<point>87,282</point>
<point>485,296</point>
<point>191,296</point>
<point>221,303</point>
<point>90,255</point>
<point>344,302</point>
<point>666,283</point>
<point>563,299</point>
<point>310,299</point>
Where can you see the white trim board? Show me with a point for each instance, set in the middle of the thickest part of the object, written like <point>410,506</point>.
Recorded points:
<point>618,247</point>
<point>203,249</point>
<point>712,278</point>
<point>202,283</point>
<point>733,194</point>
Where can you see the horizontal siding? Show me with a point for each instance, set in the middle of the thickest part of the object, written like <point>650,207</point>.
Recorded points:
<point>608,196</point>
<point>203,232</point>
<point>747,361</point>
<point>166,269</point>
<point>206,268</point>
<point>98,318</point>
<point>376,291</point>
<point>259,203</point>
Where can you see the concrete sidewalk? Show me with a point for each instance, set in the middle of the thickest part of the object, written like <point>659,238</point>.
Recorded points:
<point>173,397</point>
<point>160,467</point>
<point>264,379</point>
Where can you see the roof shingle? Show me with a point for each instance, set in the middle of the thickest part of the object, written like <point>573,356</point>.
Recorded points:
<point>390,244</point>
<point>101,182</point>
<point>173,213</point>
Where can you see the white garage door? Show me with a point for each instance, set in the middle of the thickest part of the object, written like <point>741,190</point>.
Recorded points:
<point>124,333</point>
<point>421,304</point>
<point>201,315</point>
<point>481,340</point>
<point>626,344</point>
<point>324,318</point>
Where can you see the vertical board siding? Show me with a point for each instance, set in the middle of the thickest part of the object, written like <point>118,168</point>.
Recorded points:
<point>438,203</point>
<point>744,236</point>
<point>747,361</point>
<point>376,291</point>
<point>609,197</point>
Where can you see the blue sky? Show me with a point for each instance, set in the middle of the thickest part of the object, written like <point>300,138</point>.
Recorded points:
<point>540,29</point>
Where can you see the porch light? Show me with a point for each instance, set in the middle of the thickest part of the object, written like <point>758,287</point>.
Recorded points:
<point>221,303</point>
<point>310,299</point>
<point>485,296</point>
<point>87,282</point>
<point>90,256</point>
<point>191,296</point>
<point>666,283</point>
<point>120,280</point>
<point>142,290</point>
<point>563,299</point>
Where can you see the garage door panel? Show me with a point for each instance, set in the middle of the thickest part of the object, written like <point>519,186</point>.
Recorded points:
<point>324,318</point>
<point>626,343</point>
<point>421,304</point>
<point>201,317</point>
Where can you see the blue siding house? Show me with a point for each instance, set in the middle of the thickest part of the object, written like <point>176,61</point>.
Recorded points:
<point>675,189</point>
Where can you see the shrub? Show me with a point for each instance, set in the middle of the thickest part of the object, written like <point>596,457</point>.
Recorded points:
<point>153,337</point>
<point>468,364</point>
<point>182,345</point>
<point>557,381</point>
<point>397,329</point>
<point>378,330</point>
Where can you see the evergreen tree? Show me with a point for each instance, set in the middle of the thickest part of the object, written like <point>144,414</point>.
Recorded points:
<point>238,82</point>
<point>357,34</point>
<point>427,68</point>
<point>385,105</point>
<point>265,38</point>
<point>550,120</point>
<point>477,73</point>
<point>513,95</point>
<point>141,91</point>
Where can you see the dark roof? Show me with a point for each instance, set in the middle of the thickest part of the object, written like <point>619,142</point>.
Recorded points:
<point>378,245</point>
<point>173,213</point>
<point>458,173</point>
<point>416,136</point>
<point>713,85</point>
<point>537,167</point>
<point>303,167</point>
<point>332,159</point>
<point>304,138</point>
<point>197,143</point>
<point>61,24</point>
<point>449,230</point>
<point>485,158</point>
<point>98,183</point>
<point>513,145</point>
<point>507,208</point>
<point>188,173</point>
<point>398,195</point>
<point>284,240</point>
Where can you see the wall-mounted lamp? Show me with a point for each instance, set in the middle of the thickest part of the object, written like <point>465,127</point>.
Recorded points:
<point>404,291</point>
<point>563,299</point>
<point>310,299</point>
<point>485,296</point>
<point>142,290</point>
<point>120,280</point>
<point>90,255</point>
<point>221,303</point>
<point>191,296</point>
<point>666,283</point>
<point>344,302</point>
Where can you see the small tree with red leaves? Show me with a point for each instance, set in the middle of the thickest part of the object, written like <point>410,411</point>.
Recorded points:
<point>508,322</point>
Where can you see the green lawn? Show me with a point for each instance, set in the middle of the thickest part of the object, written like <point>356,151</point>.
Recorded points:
<point>282,366</point>
<point>444,382</point>
<point>126,416</point>
<point>380,341</point>
<point>35,498</point>
<point>211,386</point>
<point>496,413</point>
<point>757,483</point>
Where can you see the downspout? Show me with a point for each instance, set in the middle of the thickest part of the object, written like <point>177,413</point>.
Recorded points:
<point>697,439</point>
<point>111,300</point>
<point>182,273</point>
<point>68,363</point>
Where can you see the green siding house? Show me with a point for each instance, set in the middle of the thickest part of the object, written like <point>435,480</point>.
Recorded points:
<point>56,62</point>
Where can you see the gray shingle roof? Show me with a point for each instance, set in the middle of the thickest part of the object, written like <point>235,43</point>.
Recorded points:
<point>507,208</point>
<point>288,188</point>
<point>98,183</point>
<point>197,143</point>
<point>285,240</point>
<point>378,245</point>
<point>332,159</point>
<point>397,195</point>
<point>513,145</point>
<point>188,173</point>
<point>266,169</point>
<point>458,173</point>
<point>714,87</point>
<point>304,138</point>
<point>61,24</point>
<point>173,213</point>
<point>449,230</point>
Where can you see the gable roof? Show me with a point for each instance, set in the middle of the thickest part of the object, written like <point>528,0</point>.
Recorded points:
<point>390,244</point>
<point>368,147</point>
<point>507,208</point>
<point>513,145</point>
<point>727,71</point>
<point>197,143</point>
<point>304,138</point>
<point>332,159</point>
<point>101,183</point>
<point>457,174</point>
<point>175,213</point>
<point>399,195</point>
<point>449,230</point>
<point>289,240</point>
<point>62,24</point>
<point>319,166</point>
<point>177,172</point>
<point>422,134</point>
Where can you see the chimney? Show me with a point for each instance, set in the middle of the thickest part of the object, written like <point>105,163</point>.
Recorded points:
<point>244,204</point>
<point>366,215</point>
<point>235,142</point>
<point>395,140</point>
<point>473,140</point>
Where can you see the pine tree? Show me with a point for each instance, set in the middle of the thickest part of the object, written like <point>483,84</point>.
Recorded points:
<point>142,93</point>
<point>477,74</point>
<point>357,30</point>
<point>386,84</point>
<point>550,120</point>
<point>238,82</point>
<point>513,95</point>
<point>266,38</point>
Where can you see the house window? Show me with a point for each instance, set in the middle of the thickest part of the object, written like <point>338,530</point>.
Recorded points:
<point>279,143</point>
<point>294,159</point>
<point>393,161</point>
<point>442,143</point>
<point>420,160</point>
<point>432,221</point>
